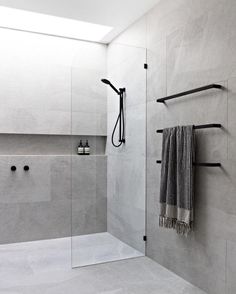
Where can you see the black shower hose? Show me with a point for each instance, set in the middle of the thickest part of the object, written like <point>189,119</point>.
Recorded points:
<point>121,121</point>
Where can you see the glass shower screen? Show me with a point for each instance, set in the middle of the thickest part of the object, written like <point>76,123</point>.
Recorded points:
<point>108,185</point>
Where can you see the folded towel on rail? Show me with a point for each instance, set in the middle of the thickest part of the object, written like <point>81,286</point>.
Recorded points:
<point>176,189</point>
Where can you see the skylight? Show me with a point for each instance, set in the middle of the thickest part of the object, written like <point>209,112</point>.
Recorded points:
<point>51,25</point>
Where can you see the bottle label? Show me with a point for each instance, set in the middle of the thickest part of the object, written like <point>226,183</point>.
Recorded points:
<point>87,150</point>
<point>80,150</point>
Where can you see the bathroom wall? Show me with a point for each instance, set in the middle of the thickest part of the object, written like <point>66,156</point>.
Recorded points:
<point>126,165</point>
<point>43,78</point>
<point>191,44</point>
<point>49,89</point>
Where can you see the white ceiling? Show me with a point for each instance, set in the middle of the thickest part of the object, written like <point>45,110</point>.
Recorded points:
<point>116,13</point>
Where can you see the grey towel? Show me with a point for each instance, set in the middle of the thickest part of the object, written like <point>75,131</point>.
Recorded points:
<point>176,191</point>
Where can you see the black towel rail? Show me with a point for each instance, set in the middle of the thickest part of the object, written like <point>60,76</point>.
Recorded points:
<point>216,164</point>
<point>198,127</point>
<point>204,88</point>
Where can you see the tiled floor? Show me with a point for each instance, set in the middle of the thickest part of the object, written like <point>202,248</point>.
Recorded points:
<point>44,267</point>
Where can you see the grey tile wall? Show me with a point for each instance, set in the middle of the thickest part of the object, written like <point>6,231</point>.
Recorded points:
<point>230,274</point>
<point>89,196</point>
<point>35,84</point>
<point>89,101</point>
<point>37,204</point>
<point>50,89</point>
<point>43,78</point>
<point>22,186</point>
<point>190,44</point>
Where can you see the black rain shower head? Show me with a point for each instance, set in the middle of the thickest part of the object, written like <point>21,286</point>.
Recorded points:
<point>105,81</point>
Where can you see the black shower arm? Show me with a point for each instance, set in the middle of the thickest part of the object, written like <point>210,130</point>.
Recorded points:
<point>122,90</point>
<point>114,88</point>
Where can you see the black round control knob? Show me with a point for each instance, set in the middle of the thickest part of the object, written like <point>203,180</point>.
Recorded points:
<point>26,167</point>
<point>13,168</point>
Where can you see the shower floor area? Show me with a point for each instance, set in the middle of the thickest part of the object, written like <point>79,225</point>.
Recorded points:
<point>55,254</point>
<point>100,248</point>
<point>43,267</point>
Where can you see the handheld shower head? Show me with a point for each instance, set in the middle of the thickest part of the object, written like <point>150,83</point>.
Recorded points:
<point>107,82</point>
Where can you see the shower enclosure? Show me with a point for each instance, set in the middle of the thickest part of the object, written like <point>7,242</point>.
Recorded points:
<point>108,187</point>
<point>68,209</point>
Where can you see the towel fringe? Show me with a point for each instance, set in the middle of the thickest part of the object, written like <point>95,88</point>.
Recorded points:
<point>172,223</point>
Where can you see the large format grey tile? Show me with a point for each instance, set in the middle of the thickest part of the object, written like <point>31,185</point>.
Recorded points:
<point>89,56</point>
<point>101,191</point>
<point>135,35</point>
<point>89,100</point>
<point>35,121</point>
<point>153,185</point>
<point>215,201</point>
<point>35,204</point>
<point>201,51</point>
<point>156,73</point>
<point>83,177</point>
<point>200,259</point>
<point>88,92</point>
<point>122,60</point>
<point>89,196</point>
<point>231,267</point>
<point>89,124</point>
<point>21,186</point>
<point>163,19</point>
<point>36,83</point>
<point>154,119</point>
<point>35,221</point>
<point>60,177</point>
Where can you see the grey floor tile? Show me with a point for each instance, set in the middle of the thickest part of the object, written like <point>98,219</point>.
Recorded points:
<point>37,267</point>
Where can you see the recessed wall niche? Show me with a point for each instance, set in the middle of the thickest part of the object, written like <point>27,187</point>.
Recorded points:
<point>22,144</point>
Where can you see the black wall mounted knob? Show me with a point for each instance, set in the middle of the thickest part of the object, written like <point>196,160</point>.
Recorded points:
<point>26,168</point>
<point>13,168</point>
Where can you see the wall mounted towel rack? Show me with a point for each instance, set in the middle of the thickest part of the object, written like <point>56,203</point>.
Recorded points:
<point>204,88</point>
<point>198,127</point>
<point>216,164</point>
